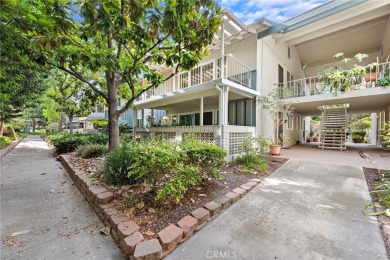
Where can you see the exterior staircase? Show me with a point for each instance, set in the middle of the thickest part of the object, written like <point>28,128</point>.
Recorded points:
<point>333,128</point>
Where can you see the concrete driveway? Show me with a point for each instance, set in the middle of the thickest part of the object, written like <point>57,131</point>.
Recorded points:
<point>305,210</point>
<point>43,215</point>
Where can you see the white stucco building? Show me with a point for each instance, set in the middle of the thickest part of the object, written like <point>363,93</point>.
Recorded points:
<point>217,100</point>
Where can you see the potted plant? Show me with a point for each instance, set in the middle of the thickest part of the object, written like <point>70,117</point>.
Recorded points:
<point>315,137</point>
<point>337,79</point>
<point>277,109</point>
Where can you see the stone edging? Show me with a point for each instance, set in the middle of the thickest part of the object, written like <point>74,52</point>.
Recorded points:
<point>5,150</point>
<point>125,232</point>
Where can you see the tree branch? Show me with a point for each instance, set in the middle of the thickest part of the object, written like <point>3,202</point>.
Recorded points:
<point>77,75</point>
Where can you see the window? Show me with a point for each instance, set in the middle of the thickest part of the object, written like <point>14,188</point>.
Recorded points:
<point>300,123</point>
<point>186,120</point>
<point>207,118</point>
<point>382,121</point>
<point>290,122</point>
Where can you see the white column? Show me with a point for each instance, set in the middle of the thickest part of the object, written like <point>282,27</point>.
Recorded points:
<point>374,128</point>
<point>223,105</point>
<point>201,112</point>
<point>223,39</point>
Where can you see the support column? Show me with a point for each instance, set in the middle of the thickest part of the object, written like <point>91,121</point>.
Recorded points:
<point>374,128</point>
<point>201,112</point>
<point>223,105</point>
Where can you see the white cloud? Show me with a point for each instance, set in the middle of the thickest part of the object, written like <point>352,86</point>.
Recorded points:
<point>275,10</point>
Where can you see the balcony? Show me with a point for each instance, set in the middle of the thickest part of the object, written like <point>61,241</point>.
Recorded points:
<point>225,67</point>
<point>320,85</point>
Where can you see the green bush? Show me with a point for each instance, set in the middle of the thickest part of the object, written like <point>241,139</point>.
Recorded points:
<point>91,150</point>
<point>251,158</point>
<point>115,167</point>
<point>362,133</point>
<point>169,167</point>
<point>101,125</point>
<point>10,132</point>
<point>386,135</point>
<point>357,139</point>
<point>206,156</point>
<point>18,124</point>
<point>64,142</point>
<point>4,141</point>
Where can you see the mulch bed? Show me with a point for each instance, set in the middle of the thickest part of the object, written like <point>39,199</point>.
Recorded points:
<point>138,201</point>
<point>372,179</point>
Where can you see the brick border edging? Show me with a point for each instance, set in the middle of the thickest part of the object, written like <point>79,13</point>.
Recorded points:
<point>6,150</point>
<point>125,232</point>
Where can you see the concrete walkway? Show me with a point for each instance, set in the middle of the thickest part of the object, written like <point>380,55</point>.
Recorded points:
<point>39,200</point>
<point>305,210</point>
<point>310,151</point>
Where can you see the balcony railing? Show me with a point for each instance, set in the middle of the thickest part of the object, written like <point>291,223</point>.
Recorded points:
<point>225,67</point>
<point>319,85</point>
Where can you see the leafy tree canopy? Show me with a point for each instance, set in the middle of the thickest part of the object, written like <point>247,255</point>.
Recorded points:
<point>115,46</point>
<point>20,79</point>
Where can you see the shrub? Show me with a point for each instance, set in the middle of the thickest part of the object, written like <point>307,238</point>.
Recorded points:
<point>10,132</point>
<point>357,139</point>
<point>153,159</point>
<point>18,124</point>
<point>91,150</point>
<point>115,167</point>
<point>125,138</point>
<point>64,142</point>
<point>251,158</point>
<point>4,141</point>
<point>206,156</point>
<point>101,125</point>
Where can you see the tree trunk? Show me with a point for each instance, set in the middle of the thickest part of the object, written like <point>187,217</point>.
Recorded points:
<point>60,122</point>
<point>34,124</point>
<point>71,125</point>
<point>113,115</point>
<point>1,127</point>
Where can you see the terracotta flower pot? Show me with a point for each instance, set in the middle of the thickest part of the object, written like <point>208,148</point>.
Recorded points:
<point>274,149</point>
<point>315,139</point>
<point>308,140</point>
<point>370,77</point>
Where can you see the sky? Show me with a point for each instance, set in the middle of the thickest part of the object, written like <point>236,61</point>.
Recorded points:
<point>249,11</point>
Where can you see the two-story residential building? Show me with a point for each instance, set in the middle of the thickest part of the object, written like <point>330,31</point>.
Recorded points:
<point>217,100</point>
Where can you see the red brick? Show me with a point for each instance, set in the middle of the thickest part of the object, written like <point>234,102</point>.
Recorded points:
<point>213,207</point>
<point>224,201</point>
<point>148,250</point>
<point>104,198</point>
<point>128,245</point>
<point>115,236</point>
<point>127,228</point>
<point>188,224</point>
<point>239,191</point>
<point>245,187</point>
<point>251,183</point>
<point>233,196</point>
<point>201,214</point>
<point>169,237</point>
<point>115,220</point>
<point>386,229</point>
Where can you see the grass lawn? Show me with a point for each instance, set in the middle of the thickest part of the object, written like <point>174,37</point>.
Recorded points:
<point>4,142</point>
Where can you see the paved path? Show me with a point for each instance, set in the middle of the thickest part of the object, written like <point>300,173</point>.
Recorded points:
<point>38,197</point>
<point>305,210</point>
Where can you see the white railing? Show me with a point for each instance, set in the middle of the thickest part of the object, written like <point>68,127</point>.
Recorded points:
<point>319,85</point>
<point>225,67</point>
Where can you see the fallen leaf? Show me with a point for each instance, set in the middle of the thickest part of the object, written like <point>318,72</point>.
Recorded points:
<point>105,231</point>
<point>202,195</point>
<point>151,210</point>
<point>149,233</point>
<point>140,205</point>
